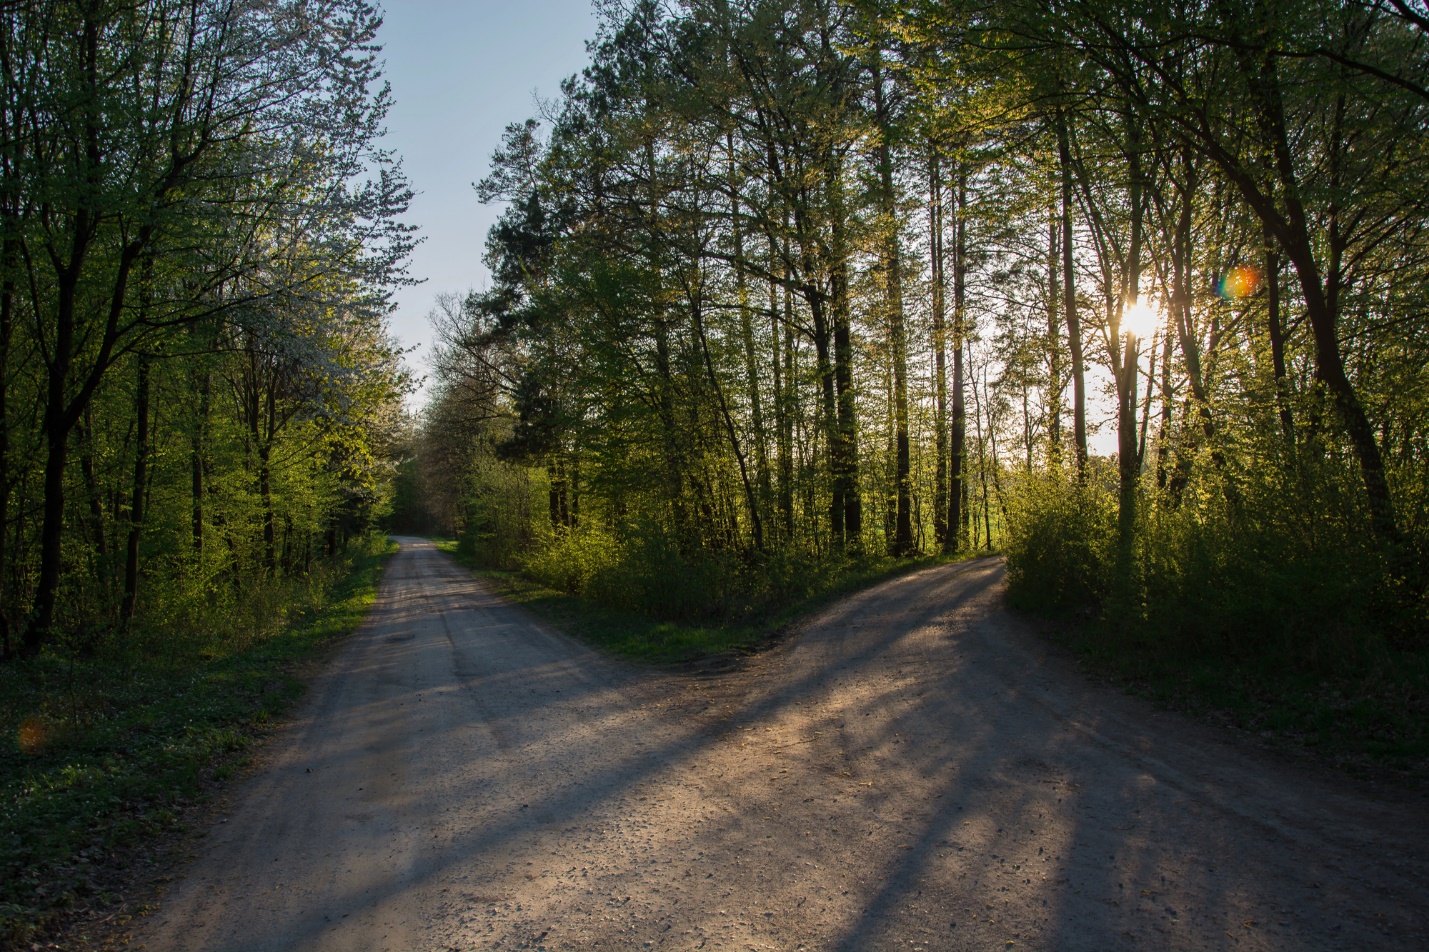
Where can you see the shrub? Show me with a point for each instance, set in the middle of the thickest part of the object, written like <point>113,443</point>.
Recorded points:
<point>1267,562</point>
<point>1061,543</point>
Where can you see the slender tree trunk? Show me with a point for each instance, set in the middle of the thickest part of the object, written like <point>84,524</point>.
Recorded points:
<point>830,411</point>
<point>846,469</point>
<point>791,410</point>
<point>265,482</point>
<point>979,403</point>
<point>99,536</point>
<point>56,430</point>
<point>7,316</point>
<point>1146,409</point>
<point>197,451</point>
<point>1127,367</point>
<point>673,456</point>
<point>1182,316</point>
<point>746,333</point>
<point>573,489</point>
<point>1277,337</point>
<point>1069,299</point>
<point>1163,432</point>
<point>755,522</point>
<point>902,543</point>
<point>141,480</point>
<point>51,532</point>
<point>782,423</point>
<point>9,260</point>
<point>942,538</point>
<point>957,470</point>
<point>1054,346</point>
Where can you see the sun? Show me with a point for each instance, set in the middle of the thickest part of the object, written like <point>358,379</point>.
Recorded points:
<point>1140,319</point>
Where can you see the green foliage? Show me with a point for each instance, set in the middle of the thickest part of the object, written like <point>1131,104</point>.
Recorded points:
<point>645,628</point>
<point>194,278</point>
<point>100,744</point>
<point>1256,592</point>
<point>498,527</point>
<point>646,573</point>
<point>1061,542</point>
<point>1260,569</point>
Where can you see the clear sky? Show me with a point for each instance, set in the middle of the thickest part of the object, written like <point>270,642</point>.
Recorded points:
<point>460,71</point>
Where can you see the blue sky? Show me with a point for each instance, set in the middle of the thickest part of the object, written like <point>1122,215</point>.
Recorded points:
<point>460,71</point>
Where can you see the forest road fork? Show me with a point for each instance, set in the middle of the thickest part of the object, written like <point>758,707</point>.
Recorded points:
<point>910,769</point>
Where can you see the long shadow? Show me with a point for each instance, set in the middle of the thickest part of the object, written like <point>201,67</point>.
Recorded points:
<point>1037,766</point>
<point>1135,847</point>
<point>618,776</point>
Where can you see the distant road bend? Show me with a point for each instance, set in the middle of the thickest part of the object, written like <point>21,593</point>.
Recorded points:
<point>910,770</point>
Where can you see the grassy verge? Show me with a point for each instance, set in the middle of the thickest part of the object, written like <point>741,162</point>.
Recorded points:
<point>641,638</point>
<point>99,753</point>
<point>1364,716</point>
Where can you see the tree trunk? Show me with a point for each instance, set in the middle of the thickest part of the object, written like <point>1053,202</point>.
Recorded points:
<point>1291,228</point>
<point>197,449</point>
<point>751,366</point>
<point>830,411</point>
<point>941,536</point>
<point>56,430</point>
<point>783,422</point>
<point>1069,299</point>
<point>1277,337</point>
<point>141,481</point>
<point>792,410</point>
<point>957,470</point>
<point>902,543</point>
<point>265,483</point>
<point>1054,347</point>
<point>756,524</point>
<point>1127,367</point>
<point>7,314</point>
<point>846,471</point>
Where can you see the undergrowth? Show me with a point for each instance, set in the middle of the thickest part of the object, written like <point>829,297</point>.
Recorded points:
<point>660,615</point>
<point>1262,604</point>
<point>101,744</point>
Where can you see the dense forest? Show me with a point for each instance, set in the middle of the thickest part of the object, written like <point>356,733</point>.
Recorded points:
<point>198,235</point>
<point>1131,293</point>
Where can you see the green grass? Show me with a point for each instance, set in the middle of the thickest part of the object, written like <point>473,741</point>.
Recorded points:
<point>641,638</point>
<point>100,752</point>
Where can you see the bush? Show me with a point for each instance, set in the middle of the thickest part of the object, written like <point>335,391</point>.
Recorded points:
<point>1061,543</point>
<point>1267,562</point>
<point>1262,567</point>
<point>645,571</point>
<point>496,530</point>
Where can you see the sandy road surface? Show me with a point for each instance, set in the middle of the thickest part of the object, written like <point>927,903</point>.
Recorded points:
<point>909,771</point>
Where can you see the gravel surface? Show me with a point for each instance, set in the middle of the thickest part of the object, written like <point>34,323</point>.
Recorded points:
<point>912,768</point>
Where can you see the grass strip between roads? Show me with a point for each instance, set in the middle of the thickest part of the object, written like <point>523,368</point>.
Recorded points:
<point>642,638</point>
<point>101,753</point>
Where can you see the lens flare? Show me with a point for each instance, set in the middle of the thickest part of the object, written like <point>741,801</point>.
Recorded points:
<point>1239,283</point>
<point>34,733</point>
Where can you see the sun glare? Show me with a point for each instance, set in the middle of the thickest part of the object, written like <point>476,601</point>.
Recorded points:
<point>1140,319</point>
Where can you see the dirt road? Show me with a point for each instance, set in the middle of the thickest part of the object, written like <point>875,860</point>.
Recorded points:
<point>910,770</point>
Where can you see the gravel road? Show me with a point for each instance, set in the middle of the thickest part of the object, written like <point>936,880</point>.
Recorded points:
<point>911,769</point>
